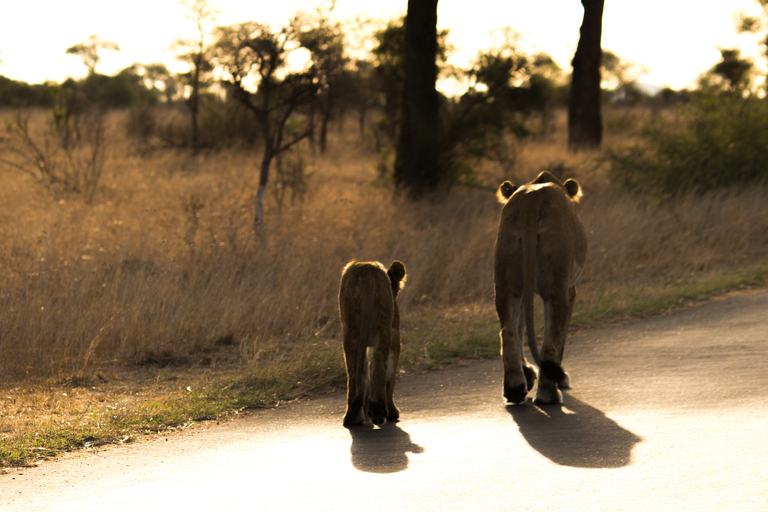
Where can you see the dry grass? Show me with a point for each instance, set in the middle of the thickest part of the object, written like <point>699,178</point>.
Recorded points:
<point>160,287</point>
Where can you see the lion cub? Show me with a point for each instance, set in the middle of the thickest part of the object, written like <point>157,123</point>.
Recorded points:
<point>370,318</point>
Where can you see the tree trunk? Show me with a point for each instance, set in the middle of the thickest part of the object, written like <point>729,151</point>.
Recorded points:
<point>311,114</point>
<point>324,132</point>
<point>417,161</point>
<point>194,101</point>
<point>585,124</point>
<point>258,218</point>
<point>362,111</point>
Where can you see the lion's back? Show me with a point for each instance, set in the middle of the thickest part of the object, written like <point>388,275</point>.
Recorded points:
<point>557,221</point>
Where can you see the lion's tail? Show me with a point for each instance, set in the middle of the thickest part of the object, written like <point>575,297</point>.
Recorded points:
<point>530,225</point>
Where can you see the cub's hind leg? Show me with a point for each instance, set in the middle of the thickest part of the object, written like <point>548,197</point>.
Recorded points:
<point>357,379</point>
<point>377,397</point>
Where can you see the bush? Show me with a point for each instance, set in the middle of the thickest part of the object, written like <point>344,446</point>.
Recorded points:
<point>718,142</point>
<point>222,124</point>
<point>69,156</point>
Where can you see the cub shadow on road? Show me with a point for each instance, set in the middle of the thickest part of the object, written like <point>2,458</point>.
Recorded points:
<point>574,434</point>
<point>381,450</point>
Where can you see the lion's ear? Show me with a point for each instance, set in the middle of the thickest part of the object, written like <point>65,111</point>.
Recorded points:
<point>397,274</point>
<point>505,191</point>
<point>574,189</point>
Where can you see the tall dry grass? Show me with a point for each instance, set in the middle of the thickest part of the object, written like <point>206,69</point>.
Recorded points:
<point>163,268</point>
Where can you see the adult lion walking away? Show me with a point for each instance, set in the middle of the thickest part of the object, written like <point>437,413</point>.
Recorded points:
<point>541,246</point>
<point>370,318</point>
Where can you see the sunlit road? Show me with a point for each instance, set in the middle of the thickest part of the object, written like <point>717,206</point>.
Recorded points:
<point>668,414</point>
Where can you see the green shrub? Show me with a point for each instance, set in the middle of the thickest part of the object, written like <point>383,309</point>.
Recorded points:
<point>717,141</point>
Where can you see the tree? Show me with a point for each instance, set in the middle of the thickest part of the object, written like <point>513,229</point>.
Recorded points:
<point>325,41</point>
<point>254,59</point>
<point>362,93</point>
<point>389,72</point>
<point>417,163</point>
<point>88,50</point>
<point>197,54</point>
<point>505,89</point>
<point>622,77</point>
<point>360,87</point>
<point>388,77</point>
<point>548,88</point>
<point>17,94</point>
<point>585,124</point>
<point>733,70</point>
<point>155,74</point>
<point>755,25</point>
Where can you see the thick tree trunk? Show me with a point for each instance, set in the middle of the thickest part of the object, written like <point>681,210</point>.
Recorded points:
<point>585,124</point>
<point>417,162</point>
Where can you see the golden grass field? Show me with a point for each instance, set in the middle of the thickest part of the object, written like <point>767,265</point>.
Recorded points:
<point>156,305</point>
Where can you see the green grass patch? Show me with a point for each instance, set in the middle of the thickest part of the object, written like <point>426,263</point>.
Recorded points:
<point>649,300</point>
<point>429,349</point>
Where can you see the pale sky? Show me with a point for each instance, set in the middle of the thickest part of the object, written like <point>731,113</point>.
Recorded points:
<point>674,40</point>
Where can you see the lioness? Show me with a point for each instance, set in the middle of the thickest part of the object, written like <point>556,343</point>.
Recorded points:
<point>541,246</point>
<point>370,318</point>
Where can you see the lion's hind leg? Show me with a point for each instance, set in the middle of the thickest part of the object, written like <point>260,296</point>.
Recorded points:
<point>519,377</point>
<point>553,377</point>
<point>565,382</point>
<point>392,360</point>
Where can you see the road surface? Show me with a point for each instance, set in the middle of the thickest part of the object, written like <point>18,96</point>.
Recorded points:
<point>667,414</point>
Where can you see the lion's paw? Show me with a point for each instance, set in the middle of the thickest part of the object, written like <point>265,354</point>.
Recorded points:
<point>547,395</point>
<point>515,394</point>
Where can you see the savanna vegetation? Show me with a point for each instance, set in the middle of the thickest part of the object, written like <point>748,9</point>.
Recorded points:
<point>137,294</point>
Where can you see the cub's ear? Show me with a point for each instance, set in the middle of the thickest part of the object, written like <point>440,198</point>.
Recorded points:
<point>573,189</point>
<point>505,191</point>
<point>397,275</point>
<point>348,265</point>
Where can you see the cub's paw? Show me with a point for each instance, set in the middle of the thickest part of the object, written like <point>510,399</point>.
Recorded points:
<point>355,414</point>
<point>565,382</point>
<point>351,421</point>
<point>378,412</point>
<point>394,413</point>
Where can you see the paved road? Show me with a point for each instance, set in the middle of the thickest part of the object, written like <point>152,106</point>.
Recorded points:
<point>667,414</point>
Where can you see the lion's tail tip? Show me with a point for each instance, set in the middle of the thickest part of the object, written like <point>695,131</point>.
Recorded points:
<point>552,371</point>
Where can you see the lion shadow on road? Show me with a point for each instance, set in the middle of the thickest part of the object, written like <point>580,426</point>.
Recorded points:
<point>574,434</point>
<point>381,450</point>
